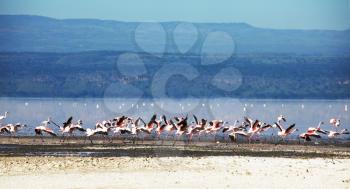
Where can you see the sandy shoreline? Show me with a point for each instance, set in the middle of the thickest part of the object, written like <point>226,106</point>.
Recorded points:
<point>173,172</point>
<point>28,164</point>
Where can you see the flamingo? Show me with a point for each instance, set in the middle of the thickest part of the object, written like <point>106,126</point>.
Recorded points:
<point>14,128</point>
<point>285,132</point>
<point>120,121</point>
<point>240,133</point>
<point>254,128</point>
<point>65,128</point>
<point>317,129</point>
<point>128,128</point>
<point>69,127</point>
<point>308,135</point>
<point>104,124</point>
<point>40,130</point>
<point>171,129</point>
<point>3,117</point>
<point>5,129</point>
<point>231,129</point>
<point>214,127</point>
<point>91,132</point>
<point>46,122</point>
<point>182,128</point>
<point>162,127</point>
<point>334,122</point>
<point>78,126</point>
<point>281,118</point>
<point>264,127</point>
<point>147,127</point>
<point>198,128</point>
<point>334,134</point>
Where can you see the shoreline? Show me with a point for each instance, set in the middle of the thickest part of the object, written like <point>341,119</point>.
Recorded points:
<point>28,164</point>
<point>33,146</point>
<point>173,172</point>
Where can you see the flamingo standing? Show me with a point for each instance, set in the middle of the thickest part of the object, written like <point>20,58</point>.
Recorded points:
<point>3,117</point>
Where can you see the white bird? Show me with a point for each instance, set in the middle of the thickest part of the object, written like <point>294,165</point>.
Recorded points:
<point>46,122</point>
<point>4,116</point>
<point>334,134</point>
<point>335,122</point>
<point>92,132</point>
<point>281,118</point>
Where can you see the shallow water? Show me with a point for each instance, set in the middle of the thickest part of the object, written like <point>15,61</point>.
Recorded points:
<point>305,113</point>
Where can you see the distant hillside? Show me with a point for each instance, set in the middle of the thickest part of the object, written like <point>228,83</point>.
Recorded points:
<point>42,34</point>
<point>89,74</point>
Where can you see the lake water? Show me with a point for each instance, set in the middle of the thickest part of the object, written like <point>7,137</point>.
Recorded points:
<point>305,113</point>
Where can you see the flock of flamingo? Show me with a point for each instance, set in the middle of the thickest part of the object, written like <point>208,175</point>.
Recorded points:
<point>175,128</point>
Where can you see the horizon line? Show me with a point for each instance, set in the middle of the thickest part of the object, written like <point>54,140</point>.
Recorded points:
<point>175,21</point>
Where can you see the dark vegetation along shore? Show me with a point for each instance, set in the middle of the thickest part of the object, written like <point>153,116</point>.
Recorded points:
<point>89,74</point>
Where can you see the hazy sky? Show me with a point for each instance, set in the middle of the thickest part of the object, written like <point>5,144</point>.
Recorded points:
<point>290,14</point>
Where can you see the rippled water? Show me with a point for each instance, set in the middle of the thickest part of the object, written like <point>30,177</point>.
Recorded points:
<point>304,113</point>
